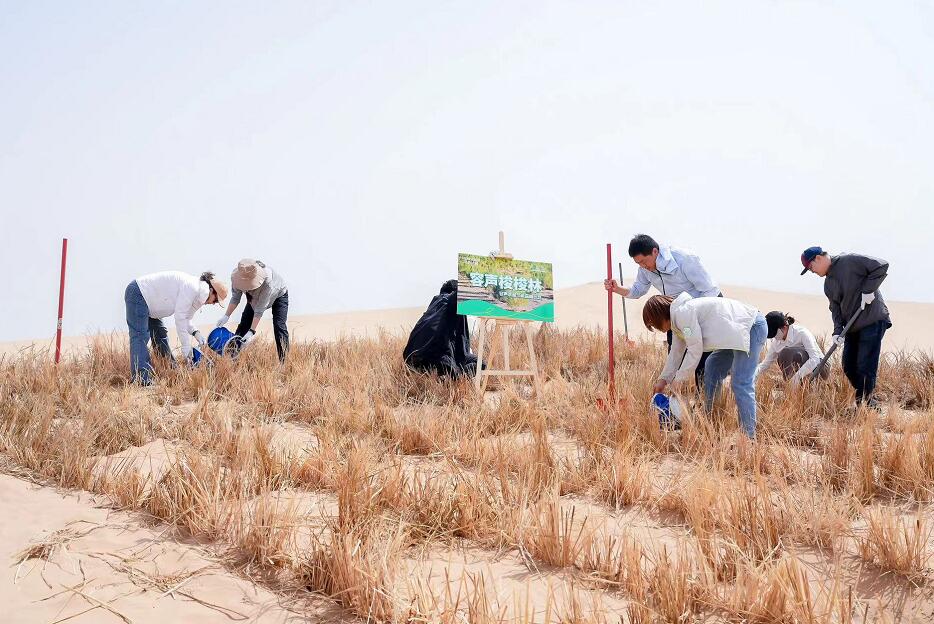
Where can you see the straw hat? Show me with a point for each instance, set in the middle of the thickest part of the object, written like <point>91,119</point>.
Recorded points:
<point>220,288</point>
<point>249,275</point>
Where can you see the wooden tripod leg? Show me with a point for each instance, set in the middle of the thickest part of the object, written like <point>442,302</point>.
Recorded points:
<point>533,361</point>
<point>490,358</point>
<point>481,340</point>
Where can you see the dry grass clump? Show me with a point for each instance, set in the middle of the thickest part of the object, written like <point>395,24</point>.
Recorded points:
<point>896,543</point>
<point>414,464</point>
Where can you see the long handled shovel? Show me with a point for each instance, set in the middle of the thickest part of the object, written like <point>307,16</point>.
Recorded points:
<point>625,320</point>
<point>833,346</point>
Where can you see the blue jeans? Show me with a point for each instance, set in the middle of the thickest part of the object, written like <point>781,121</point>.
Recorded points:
<point>861,351</point>
<point>142,329</point>
<point>742,367</point>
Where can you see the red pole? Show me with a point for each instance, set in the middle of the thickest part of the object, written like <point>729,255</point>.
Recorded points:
<point>609,320</point>
<point>61,303</point>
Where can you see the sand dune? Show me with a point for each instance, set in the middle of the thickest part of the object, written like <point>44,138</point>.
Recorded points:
<point>583,305</point>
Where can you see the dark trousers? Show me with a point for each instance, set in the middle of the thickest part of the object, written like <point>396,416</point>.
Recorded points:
<point>791,359</point>
<point>280,313</point>
<point>861,351</point>
<point>699,371</point>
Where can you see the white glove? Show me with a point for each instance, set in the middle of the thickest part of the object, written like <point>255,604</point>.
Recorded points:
<point>200,338</point>
<point>867,299</point>
<point>247,337</point>
<point>838,340</point>
<point>222,321</point>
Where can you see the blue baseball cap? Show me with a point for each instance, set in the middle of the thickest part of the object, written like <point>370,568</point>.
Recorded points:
<point>808,256</point>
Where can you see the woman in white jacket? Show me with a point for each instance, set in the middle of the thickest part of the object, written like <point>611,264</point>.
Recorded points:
<point>151,298</point>
<point>733,331</point>
<point>793,346</point>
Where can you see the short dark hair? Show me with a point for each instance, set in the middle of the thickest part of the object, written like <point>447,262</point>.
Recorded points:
<point>642,245</point>
<point>656,310</point>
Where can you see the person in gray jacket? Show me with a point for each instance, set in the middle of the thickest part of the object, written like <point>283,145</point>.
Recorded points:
<point>851,283</point>
<point>264,289</point>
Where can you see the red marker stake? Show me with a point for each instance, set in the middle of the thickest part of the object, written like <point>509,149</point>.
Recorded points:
<point>61,303</point>
<point>609,320</point>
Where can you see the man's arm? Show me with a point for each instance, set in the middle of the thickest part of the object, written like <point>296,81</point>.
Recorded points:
<point>837,315</point>
<point>695,272</point>
<point>876,272</point>
<point>261,302</point>
<point>834,298</point>
<point>640,286</point>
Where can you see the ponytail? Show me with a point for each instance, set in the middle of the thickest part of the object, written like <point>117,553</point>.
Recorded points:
<point>207,276</point>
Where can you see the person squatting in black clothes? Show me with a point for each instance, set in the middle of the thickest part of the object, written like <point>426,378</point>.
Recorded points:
<point>440,340</point>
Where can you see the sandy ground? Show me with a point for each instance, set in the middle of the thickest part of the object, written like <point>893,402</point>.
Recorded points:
<point>99,564</point>
<point>577,306</point>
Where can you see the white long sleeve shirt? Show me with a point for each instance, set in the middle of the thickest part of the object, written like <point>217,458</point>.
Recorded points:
<point>703,324</point>
<point>178,294</point>
<point>677,271</point>
<point>797,337</point>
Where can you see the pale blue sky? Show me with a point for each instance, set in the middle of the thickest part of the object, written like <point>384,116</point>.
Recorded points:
<point>359,146</point>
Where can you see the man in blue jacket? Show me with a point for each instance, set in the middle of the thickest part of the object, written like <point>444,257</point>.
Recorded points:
<point>671,271</point>
<point>851,283</point>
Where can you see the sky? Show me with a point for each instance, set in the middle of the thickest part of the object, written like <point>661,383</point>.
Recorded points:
<point>358,147</point>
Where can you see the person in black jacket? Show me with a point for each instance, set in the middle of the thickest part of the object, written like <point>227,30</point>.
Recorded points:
<point>851,283</point>
<point>440,340</point>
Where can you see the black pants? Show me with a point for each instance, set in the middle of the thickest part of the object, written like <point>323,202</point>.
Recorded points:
<point>791,359</point>
<point>861,351</point>
<point>280,313</point>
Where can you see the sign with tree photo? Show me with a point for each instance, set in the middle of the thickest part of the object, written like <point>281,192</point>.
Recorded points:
<point>494,287</point>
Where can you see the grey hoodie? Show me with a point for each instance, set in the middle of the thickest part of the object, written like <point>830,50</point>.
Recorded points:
<point>849,277</point>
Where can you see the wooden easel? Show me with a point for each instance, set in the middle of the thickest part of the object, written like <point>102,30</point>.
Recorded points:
<point>493,328</point>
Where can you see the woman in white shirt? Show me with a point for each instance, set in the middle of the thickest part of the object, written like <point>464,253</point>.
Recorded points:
<point>793,346</point>
<point>151,298</point>
<point>731,331</point>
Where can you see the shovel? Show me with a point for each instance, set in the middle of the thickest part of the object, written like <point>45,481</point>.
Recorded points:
<point>612,402</point>
<point>625,320</point>
<point>833,346</point>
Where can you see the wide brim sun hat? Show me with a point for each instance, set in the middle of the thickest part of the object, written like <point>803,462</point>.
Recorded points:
<point>248,275</point>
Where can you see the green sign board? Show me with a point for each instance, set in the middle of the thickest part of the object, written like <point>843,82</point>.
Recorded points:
<point>505,288</point>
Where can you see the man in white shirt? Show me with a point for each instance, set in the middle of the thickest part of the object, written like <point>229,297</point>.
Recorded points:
<point>793,346</point>
<point>151,298</point>
<point>671,271</point>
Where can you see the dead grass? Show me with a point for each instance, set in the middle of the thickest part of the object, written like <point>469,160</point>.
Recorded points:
<point>415,464</point>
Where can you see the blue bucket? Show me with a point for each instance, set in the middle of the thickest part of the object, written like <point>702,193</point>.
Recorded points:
<point>669,412</point>
<point>225,342</point>
<point>218,339</point>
